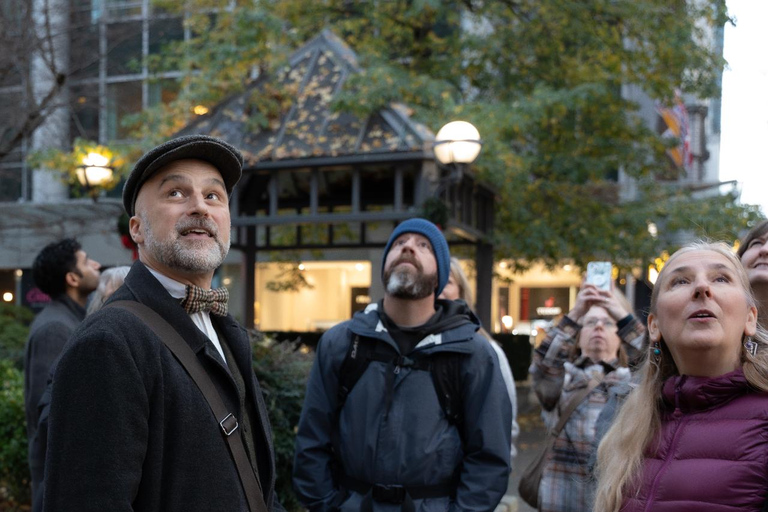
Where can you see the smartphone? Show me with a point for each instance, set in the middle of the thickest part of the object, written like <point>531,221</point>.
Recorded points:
<point>599,274</point>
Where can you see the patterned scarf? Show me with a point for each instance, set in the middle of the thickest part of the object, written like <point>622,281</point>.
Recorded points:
<point>198,299</point>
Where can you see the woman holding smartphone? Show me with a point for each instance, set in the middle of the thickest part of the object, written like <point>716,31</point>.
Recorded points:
<point>692,436</point>
<point>578,364</point>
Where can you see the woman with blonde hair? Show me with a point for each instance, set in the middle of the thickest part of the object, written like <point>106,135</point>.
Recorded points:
<point>692,436</point>
<point>458,288</point>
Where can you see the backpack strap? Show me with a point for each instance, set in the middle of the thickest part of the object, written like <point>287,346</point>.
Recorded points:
<point>359,356</point>
<point>444,367</point>
<point>227,421</point>
<point>449,385</point>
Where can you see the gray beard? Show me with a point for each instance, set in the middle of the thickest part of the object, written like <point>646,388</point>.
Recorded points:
<point>193,256</point>
<point>409,285</point>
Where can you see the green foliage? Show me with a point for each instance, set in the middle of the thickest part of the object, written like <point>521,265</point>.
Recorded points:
<point>541,79</point>
<point>435,210</point>
<point>14,471</point>
<point>283,370</point>
<point>69,163</point>
<point>14,330</point>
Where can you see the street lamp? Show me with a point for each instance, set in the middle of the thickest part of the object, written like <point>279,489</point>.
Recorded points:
<point>458,142</point>
<point>456,146</point>
<point>94,172</point>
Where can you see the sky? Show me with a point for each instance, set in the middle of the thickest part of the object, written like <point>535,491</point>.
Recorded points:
<point>744,129</point>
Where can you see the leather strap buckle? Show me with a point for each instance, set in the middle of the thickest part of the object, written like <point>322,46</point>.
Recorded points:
<point>229,424</point>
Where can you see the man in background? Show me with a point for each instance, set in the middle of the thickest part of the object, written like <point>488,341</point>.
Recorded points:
<point>425,423</point>
<point>63,271</point>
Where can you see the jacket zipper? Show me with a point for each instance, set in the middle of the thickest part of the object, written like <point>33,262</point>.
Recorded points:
<point>681,421</point>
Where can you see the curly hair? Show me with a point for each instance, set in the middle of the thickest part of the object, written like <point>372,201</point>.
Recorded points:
<point>52,265</point>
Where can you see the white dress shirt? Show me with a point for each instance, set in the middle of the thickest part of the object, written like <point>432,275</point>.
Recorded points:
<point>202,319</point>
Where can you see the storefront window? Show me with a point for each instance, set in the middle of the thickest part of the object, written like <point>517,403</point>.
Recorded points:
<point>336,290</point>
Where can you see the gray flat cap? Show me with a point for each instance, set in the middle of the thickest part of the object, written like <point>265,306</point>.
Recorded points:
<point>225,157</point>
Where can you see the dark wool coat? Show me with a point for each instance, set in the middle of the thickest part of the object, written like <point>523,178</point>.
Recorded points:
<point>130,430</point>
<point>711,454</point>
<point>48,334</point>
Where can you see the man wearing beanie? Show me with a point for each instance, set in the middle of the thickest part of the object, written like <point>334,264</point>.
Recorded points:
<point>134,424</point>
<point>405,408</point>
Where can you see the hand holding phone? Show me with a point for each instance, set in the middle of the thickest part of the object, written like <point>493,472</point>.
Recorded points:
<point>599,274</point>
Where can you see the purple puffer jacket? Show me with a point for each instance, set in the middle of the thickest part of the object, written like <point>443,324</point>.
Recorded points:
<point>712,451</point>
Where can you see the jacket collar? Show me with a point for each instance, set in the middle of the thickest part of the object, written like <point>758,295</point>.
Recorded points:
<point>460,327</point>
<point>142,286</point>
<point>75,308</point>
<point>691,394</point>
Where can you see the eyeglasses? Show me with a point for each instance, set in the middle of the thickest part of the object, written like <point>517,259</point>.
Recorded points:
<point>607,324</point>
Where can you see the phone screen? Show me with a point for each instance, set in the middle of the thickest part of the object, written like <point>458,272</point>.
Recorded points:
<point>599,274</point>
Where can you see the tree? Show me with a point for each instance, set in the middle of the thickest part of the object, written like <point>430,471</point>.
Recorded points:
<point>541,79</point>
<point>46,47</point>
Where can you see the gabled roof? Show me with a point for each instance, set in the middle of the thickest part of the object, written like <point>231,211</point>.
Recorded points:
<point>304,126</point>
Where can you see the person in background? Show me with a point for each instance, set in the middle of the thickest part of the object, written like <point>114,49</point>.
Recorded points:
<point>458,288</point>
<point>426,424</point>
<point>691,437</point>
<point>64,271</point>
<point>111,279</point>
<point>591,346</point>
<point>753,252</point>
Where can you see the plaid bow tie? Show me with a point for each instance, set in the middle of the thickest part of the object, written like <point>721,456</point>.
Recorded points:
<point>198,299</point>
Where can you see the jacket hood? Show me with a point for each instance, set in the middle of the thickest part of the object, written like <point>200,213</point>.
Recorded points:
<point>457,324</point>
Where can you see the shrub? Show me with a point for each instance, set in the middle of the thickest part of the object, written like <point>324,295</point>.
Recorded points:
<point>283,369</point>
<point>14,472</point>
<point>14,329</point>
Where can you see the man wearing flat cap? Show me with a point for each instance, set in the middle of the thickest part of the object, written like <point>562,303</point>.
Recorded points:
<point>130,428</point>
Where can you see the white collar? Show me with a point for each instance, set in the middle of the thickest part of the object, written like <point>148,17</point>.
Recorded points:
<point>176,289</point>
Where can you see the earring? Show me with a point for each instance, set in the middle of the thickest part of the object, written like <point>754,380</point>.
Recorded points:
<point>656,351</point>
<point>750,346</point>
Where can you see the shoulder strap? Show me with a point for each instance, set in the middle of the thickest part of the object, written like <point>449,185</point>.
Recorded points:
<point>445,369</point>
<point>359,355</point>
<point>227,420</point>
<point>352,368</point>
<point>446,377</point>
<point>572,404</point>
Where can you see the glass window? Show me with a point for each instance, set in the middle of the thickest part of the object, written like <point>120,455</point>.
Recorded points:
<point>122,99</point>
<point>84,47</point>
<point>164,90</point>
<point>124,44</point>
<point>164,31</point>
<point>117,9</point>
<point>84,121</point>
<point>11,176</point>
<point>305,307</point>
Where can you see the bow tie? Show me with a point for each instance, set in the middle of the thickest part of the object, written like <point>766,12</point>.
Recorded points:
<point>198,299</point>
